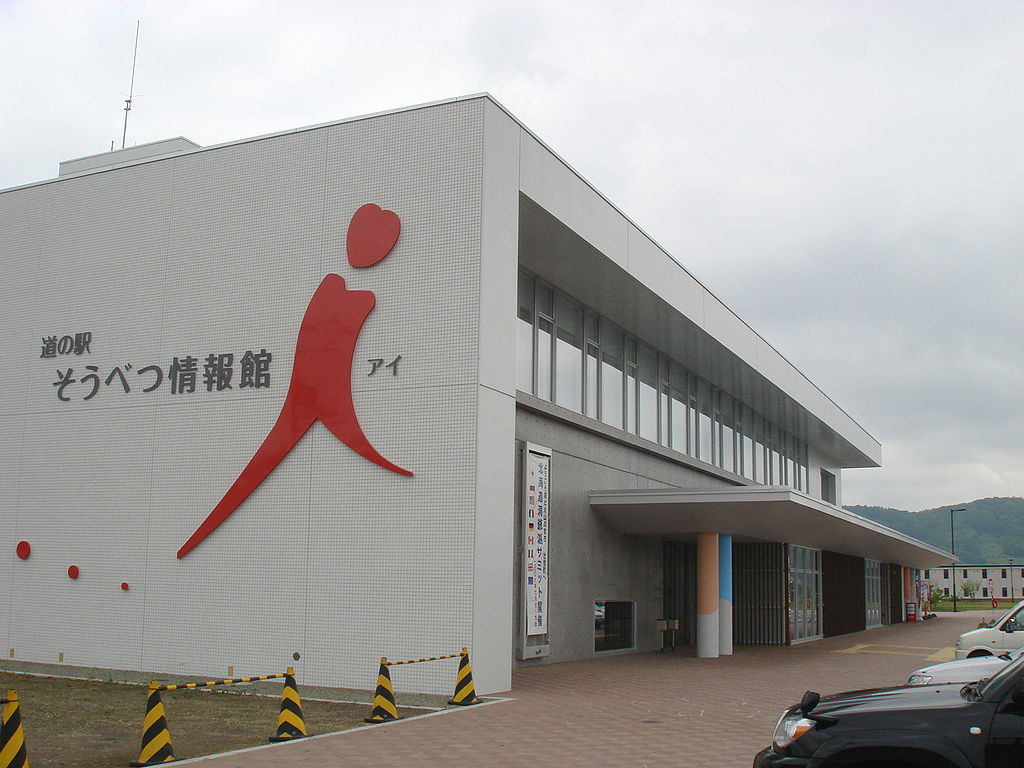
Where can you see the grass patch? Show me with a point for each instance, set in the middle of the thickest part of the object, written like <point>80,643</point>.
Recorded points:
<point>977,604</point>
<point>87,723</point>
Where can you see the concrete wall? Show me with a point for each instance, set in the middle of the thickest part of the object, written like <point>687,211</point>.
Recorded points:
<point>589,560</point>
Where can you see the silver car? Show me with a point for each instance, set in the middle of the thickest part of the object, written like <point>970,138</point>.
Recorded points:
<point>963,671</point>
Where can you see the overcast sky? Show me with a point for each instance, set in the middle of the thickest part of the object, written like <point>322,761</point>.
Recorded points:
<point>846,176</point>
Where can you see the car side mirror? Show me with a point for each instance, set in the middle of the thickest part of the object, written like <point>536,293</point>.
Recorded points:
<point>809,702</point>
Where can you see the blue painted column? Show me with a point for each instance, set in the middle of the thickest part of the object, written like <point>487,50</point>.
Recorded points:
<point>725,594</point>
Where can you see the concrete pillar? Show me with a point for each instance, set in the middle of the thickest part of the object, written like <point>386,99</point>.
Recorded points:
<point>725,594</point>
<point>707,595</point>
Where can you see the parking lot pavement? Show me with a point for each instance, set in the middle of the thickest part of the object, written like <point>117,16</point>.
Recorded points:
<point>650,710</point>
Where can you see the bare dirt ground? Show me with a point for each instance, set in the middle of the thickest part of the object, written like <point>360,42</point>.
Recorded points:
<point>85,723</point>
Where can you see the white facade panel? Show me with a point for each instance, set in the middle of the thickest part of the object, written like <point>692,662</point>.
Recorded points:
<point>492,567</point>
<point>499,250</point>
<point>219,251</point>
<point>724,326</point>
<point>660,272</point>
<point>548,181</point>
<point>493,564</point>
<point>74,510</point>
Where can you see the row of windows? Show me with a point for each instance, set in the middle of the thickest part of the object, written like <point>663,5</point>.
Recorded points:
<point>984,573</point>
<point>984,592</point>
<point>572,356</point>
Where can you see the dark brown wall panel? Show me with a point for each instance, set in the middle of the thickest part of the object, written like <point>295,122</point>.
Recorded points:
<point>895,593</point>
<point>842,590</point>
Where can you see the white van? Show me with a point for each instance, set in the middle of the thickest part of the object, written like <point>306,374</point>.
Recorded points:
<point>1004,634</point>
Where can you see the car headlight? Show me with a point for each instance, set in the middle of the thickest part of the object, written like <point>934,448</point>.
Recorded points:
<point>918,679</point>
<point>790,728</point>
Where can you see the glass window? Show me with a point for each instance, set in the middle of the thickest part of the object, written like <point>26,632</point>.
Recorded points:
<point>648,369</point>
<point>705,442</point>
<point>677,388</point>
<point>984,573</point>
<point>664,415</point>
<point>631,393</point>
<point>828,487</point>
<point>545,301</point>
<point>805,586</point>
<point>592,327</point>
<point>774,457</point>
<point>873,592</point>
<point>524,341</point>
<point>611,374</point>
<point>759,451</point>
<point>593,358</point>
<point>788,446</point>
<point>728,434</point>
<point>692,423</point>
<point>613,625</point>
<point>664,402</point>
<point>631,398</point>
<point>748,444</point>
<point>545,328</point>
<point>569,354</point>
<point>572,356</point>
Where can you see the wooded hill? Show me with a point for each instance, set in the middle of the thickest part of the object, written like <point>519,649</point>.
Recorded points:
<point>987,531</point>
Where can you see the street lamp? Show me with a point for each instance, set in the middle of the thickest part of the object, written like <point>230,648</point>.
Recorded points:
<point>952,549</point>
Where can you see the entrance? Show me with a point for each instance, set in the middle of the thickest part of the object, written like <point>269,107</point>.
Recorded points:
<point>805,594</point>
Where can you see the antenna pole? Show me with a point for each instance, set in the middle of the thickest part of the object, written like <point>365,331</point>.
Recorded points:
<point>131,90</point>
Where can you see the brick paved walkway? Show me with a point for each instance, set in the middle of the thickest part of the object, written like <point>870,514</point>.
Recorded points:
<point>651,710</point>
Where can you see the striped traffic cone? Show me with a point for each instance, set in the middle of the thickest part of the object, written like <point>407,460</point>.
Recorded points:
<point>12,735</point>
<point>156,739</point>
<point>290,724</point>
<point>465,693</point>
<point>384,709</point>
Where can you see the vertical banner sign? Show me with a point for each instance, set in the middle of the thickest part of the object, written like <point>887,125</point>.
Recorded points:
<point>536,501</point>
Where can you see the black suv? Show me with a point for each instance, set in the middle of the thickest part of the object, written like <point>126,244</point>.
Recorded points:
<point>980,725</point>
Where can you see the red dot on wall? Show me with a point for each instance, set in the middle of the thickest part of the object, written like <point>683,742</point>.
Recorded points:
<point>24,550</point>
<point>73,571</point>
<point>124,585</point>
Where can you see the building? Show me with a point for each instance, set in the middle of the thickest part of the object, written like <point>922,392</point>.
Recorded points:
<point>999,580</point>
<point>393,386</point>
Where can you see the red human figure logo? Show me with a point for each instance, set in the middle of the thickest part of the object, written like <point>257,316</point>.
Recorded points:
<point>321,383</point>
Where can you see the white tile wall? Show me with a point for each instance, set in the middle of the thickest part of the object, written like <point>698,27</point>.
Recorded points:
<point>219,251</point>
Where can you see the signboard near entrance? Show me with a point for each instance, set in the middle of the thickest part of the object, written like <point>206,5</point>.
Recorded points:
<point>536,500</point>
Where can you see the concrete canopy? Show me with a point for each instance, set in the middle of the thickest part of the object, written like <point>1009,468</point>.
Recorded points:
<point>763,514</point>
